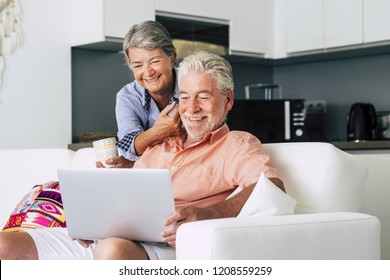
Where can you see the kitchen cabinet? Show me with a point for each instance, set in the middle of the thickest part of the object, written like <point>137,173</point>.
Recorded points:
<point>304,25</point>
<point>249,27</point>
<point>95,21</point>
<point>102,24</point>
<point>215,9</point>
<point>376,21</point>
<point>247,20</point>
<point>315,25</point>
<point>261,28</point>
<point>343,23</point>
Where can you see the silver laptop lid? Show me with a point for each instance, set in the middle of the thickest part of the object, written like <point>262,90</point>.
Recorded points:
<point>127,203</point>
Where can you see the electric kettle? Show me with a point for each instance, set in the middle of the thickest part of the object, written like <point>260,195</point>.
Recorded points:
<point>361,122</point>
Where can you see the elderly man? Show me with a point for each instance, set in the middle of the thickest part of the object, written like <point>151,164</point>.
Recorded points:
<point>207,162</point>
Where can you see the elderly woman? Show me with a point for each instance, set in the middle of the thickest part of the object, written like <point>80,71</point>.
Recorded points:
<point>146,114</point>
<point>145,108</point>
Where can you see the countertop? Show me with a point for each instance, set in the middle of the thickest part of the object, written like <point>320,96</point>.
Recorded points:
<point>363,145</point>
<point>343,145</point>
<point>76,146</point>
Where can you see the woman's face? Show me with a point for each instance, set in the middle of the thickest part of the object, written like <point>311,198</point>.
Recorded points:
<point>152,69</point>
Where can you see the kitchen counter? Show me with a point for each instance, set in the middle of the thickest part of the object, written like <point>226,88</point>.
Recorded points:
<point>363,145</point>
<point>76,146</point>
<point>343,145</point>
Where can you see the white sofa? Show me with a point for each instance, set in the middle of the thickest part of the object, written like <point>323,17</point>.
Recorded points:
<point>326,182</point>
<point>328,185</point>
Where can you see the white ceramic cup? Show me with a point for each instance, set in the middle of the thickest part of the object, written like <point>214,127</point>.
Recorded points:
<point>105,149</point>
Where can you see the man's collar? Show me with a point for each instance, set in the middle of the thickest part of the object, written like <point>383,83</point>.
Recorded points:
<point>218,134</point>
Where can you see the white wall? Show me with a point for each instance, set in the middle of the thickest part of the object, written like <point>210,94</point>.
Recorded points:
<point>35,99</point>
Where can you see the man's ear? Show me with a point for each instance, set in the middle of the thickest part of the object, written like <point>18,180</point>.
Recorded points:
<point>229,100</point>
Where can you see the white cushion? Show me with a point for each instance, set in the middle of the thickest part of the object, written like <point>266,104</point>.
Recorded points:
<point>266,199</point>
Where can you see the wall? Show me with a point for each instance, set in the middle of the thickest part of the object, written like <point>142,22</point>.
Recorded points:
<point>96,78</point>
<point>98,75</point>
<point>35,99</point>
<point>340,82</point>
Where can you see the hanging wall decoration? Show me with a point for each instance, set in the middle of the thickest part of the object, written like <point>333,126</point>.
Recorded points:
<point>10,30</point>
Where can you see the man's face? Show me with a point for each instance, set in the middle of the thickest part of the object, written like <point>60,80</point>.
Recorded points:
<point>152,69</point>
<point>202,107</point>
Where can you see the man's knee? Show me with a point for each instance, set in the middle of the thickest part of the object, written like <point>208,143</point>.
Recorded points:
<point>118,248</point>
<point>17,246</point>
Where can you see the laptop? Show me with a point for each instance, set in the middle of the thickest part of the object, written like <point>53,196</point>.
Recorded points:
<point>126,203</point>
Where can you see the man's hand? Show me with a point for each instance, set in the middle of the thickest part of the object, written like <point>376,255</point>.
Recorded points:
<point>180,217</point>
<point>117,162</point>
<point>223,209</point>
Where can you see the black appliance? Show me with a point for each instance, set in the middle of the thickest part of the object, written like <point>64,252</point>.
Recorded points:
<point>382,128</point>
<point>272,121</point>
<point>361,122</point>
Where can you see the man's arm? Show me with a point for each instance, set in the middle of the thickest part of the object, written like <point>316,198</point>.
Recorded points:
<point>232,207</point>
<point>224,209</point>
<point>279,183</point>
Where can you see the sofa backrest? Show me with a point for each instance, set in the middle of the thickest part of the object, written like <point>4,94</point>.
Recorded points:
<point>321,177</point>
<point>84,158</point>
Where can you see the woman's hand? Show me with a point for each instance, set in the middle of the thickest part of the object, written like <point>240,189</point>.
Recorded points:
<point>168,124</point>
<point>116,162</point>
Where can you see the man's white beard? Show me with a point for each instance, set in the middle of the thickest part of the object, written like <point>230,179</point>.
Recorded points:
<point>196,132</point>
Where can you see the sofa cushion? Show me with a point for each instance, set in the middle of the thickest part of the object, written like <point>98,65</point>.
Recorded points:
<point>39,208</point>
<point>266,199</point>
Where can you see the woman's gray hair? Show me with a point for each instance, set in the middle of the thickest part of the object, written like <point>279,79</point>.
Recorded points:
<point>211,64</point>
<point>148,35</point>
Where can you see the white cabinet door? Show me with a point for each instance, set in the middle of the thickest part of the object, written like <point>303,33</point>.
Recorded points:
<point>248,28</point>
<point>218,9</point>
<point>343,23</point>
<point>93,21</point>
<point>120,15</point>
<point>86,21</point>
<point>304,25</point>
<point>376,20</point>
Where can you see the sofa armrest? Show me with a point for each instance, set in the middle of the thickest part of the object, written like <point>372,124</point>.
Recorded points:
<point>337,235</point>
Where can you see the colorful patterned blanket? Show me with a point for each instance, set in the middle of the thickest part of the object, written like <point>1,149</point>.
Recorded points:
<point>40,208</point>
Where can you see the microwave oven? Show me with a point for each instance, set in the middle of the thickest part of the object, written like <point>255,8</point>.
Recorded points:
<point>271,121</point>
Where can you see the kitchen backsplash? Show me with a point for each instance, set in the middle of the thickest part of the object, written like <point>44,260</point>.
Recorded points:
<point>97,76</point>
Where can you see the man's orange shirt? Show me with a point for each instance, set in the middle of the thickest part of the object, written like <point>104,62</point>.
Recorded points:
<point>208,171</point>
